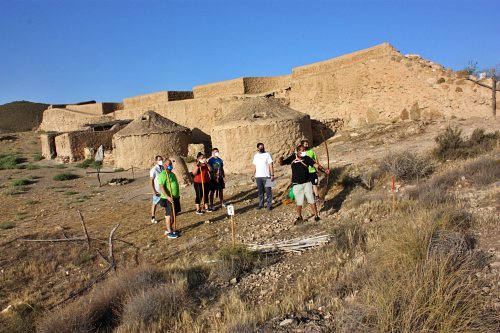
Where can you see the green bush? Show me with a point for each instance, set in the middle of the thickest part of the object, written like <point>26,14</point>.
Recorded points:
<point>21,182</point>
<point>37,156</point>
<point>10,161</point>
<point>89,163</point>
<point>65,176</point>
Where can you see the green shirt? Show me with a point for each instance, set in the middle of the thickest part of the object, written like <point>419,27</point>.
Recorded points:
<point>312,155</point>
<point>172,186</point>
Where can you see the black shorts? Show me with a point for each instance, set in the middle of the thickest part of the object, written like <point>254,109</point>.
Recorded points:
<point>313,177</point>
<point>216,186</point>
<point>168,206</point>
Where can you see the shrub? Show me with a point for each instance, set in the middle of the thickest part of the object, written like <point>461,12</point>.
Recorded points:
<point>21,182</point>
<point>32,166</point>
<point>89,163</point>
<point>10,161</point>
<point>234,261</point>
<point>406,165</point>
<point>37,156</point>
<point>451,145</point>
<point>7,225</point>
<point>482,171</point>
<point>102,308</point>
<point>160,306</point>
<point>65,176</point>
<point>349,236</point>
<point>119,170</point>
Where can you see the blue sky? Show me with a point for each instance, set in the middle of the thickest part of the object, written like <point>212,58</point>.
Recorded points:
<point>73,50</point>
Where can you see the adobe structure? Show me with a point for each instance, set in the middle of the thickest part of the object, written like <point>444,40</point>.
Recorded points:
<point>259,119</point>
<point>375,85</point>
<point>147,136</point>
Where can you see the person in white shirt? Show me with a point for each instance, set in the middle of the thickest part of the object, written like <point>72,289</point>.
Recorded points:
<point>263,170</point>
<point>153,175</point>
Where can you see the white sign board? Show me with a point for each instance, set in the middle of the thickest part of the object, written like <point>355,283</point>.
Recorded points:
<point>230,210</point>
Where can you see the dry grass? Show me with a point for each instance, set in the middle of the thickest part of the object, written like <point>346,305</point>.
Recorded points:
<point>234,261</point>
<point>451,145</point>
<point>406,166</point>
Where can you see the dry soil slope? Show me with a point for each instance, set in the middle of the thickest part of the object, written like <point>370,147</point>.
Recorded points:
<point>21,116</point>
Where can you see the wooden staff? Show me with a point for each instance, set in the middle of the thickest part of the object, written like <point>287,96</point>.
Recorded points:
<point>173,203</point>
<point>327,159</point>
<point>202,187</point>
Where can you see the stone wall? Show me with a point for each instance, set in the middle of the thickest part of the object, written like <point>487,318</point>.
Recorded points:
<point>220,89</point>
<point>95,108</point>
<point>381,85</point>
<point>48,145</point>
<point>144,101</point>
<point>70,146</point>
<point>199,114</point>
<point>259,85</point>
<point>64,120</point>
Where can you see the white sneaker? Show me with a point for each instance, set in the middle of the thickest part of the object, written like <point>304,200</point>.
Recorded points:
<point>154,221</point>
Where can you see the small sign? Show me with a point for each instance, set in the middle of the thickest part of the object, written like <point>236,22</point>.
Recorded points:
<point>230,210</point>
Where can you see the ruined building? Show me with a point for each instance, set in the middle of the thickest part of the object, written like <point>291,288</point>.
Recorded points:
<point>375,85</point>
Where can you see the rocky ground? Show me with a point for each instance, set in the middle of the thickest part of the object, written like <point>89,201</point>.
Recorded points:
<point>46,273</point>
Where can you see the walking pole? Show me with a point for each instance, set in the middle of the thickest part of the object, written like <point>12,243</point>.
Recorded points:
<point>202,187</point>
<point>173,205</point>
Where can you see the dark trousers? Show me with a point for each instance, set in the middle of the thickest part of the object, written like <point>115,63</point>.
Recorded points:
<point>261,182</point>
<point>198,189</point>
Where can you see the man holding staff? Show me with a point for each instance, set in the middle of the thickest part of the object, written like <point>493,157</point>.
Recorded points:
<point>170,197</point>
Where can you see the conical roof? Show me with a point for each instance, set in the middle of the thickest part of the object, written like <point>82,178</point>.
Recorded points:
<point>260,110</point>
<point>151,122</point>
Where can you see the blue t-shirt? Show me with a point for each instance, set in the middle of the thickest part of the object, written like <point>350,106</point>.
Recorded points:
<point>217,167</point>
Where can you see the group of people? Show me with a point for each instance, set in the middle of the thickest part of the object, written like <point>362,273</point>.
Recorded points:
<point>209,182</point>
<point>208,178</point>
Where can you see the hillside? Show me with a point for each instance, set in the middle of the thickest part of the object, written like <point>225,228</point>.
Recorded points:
<point>432,253</point>
<point>21,116</point>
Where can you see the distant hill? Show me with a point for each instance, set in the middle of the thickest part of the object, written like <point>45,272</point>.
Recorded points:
<point>21,116</point>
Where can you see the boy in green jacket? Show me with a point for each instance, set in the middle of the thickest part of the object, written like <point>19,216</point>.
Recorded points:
<point>170,196</point>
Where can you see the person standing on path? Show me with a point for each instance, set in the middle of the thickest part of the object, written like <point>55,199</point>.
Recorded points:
<point>217,184</point>
<point>302,186</point>
<point>170,197</point>
<point>153,177</point>
<point>313,173</point>
<point>201,172</point>
<point>263,170</point>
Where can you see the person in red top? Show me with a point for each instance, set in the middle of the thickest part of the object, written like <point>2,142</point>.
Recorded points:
<point>201,172</point>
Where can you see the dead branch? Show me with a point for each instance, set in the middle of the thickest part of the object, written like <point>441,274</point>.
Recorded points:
<point>481,84</point>
<point>82,290</point>
<point>84,229</point>
<point>54,240</point>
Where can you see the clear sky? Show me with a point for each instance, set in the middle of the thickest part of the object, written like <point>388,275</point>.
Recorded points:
<point>74,50</point>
